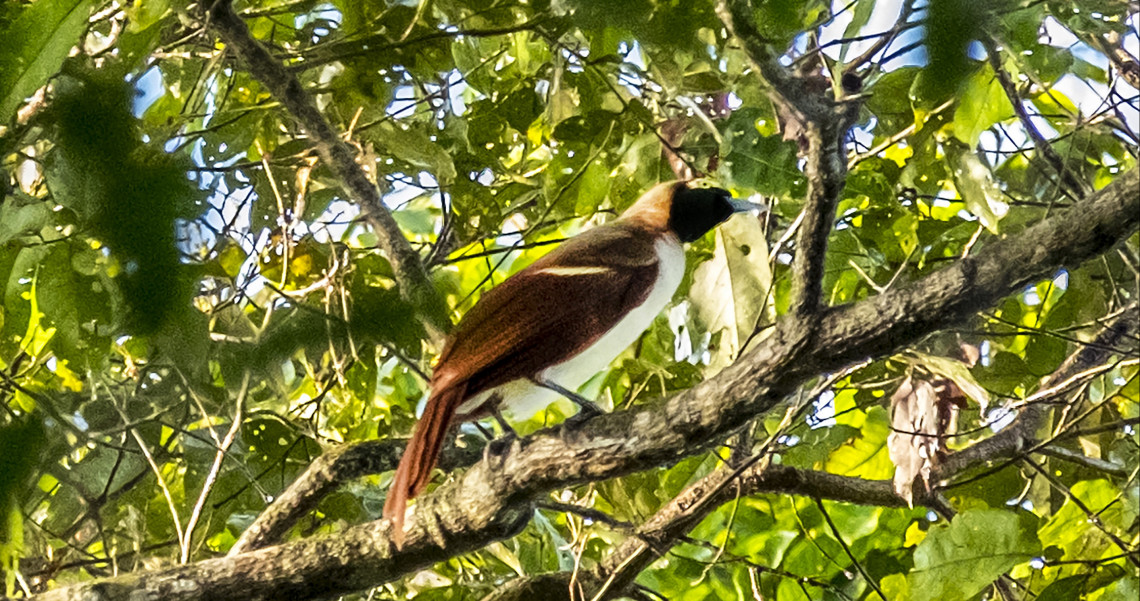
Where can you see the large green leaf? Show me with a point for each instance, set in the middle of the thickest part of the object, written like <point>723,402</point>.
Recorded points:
<point>956,561</point>
<point>730,291</point>
<point>34,47</point>
<point>981,104</point>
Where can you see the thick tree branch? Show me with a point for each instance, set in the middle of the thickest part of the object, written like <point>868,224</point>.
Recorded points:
<point>493,499</point>
<point>661,532</point>
<point>415,285</point>
<point>333,468</point>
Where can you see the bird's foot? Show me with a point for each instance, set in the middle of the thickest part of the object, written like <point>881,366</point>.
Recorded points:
<point>498,447</point>
<point>489,435</point>
<point>587,408</point>
<point>586,413</point>
<point>506,428</point>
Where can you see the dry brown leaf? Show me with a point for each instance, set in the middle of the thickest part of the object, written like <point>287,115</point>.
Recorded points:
<point>922,414</point>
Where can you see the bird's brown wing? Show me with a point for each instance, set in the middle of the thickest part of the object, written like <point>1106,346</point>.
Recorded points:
<point>552,309</point>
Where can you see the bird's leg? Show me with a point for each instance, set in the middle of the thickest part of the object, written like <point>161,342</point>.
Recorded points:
<point>497,446</point>
<point>500,445</point>
<point>507,430</point>
<point>489,435</point>
<point>587,409</point>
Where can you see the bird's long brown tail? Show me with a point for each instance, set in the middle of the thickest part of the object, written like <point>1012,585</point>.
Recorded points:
<point>420,456</point>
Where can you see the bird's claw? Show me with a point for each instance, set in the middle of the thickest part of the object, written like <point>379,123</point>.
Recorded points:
<point>498,447</point>
<point>585,414</point>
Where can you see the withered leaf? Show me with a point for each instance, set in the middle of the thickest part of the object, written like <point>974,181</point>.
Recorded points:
<point>922,414</point>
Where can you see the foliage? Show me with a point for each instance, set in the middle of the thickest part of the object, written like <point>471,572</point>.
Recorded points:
<point>174,257</point>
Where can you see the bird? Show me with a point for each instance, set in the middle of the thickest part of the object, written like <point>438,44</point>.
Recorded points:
<point>551,326</point>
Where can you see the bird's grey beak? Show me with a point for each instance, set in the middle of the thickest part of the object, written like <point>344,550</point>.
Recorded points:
<point>744,206</point>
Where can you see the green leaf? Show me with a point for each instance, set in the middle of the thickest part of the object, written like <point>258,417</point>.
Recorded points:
<point>950,27</point>
<point>896,587</point>
<point>128,194</point>
<point>730,291</point>
<point>1006,374</point>
<point>592,188</point>
<point>417,149</point>
<point>956,561</point>
<point>890,99</point>
<point>859,17</point>
<point>1074,587</point>
<point>35,46</point>
<point>17,220</point>
<point>866,456</point>
<point>20,445</point>
<point>976,184</point>
<point>1069,527</point>
<point>982,104</point>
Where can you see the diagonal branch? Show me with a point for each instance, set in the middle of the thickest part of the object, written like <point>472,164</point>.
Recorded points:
<point>328,471</point>
<point>660,532</point>
<point>1073,185</point>
<point>493,499</point>
<point>415,286</point>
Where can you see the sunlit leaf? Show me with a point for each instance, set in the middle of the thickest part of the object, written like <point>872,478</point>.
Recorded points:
<point>976,184</point>
<point>730,291</point>
<point>956,561</point>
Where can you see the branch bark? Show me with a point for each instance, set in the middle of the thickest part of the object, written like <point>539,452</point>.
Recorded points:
<point>493,499</point>
<point>662,531</point>
<point>415,285</point>
<point>334,467</point>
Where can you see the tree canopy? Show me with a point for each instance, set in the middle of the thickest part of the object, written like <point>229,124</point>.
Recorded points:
<point>233,237</point>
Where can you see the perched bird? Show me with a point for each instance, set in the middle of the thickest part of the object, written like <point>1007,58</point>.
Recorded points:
<point>550,327</point>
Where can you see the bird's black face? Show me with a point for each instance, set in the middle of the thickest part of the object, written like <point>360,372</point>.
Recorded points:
<point>696,211</point>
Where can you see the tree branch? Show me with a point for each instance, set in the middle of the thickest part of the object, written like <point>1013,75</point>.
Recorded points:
<point>1074,185</point>
<point>415,286</point>
<point>658,534</point>
<point>1021,433</point>
<point>379,43</point>
<point>328,471</point>
<point>789,89</point>
<point>825,123</point>
<point>1110,45</point>
<point>826,172</point>
<point>493,499</point>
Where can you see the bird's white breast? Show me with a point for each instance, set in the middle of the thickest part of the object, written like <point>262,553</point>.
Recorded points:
<point>523,399</point>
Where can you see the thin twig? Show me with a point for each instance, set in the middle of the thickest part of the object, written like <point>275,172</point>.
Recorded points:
<point>178,531</point>
<point>219,457</point>
<point>846,549</point>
